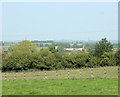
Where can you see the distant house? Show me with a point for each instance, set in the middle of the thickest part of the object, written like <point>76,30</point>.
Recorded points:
<point>4,48</point>
<point>56,47</point>
<point>76,49</point>
<point>69,49</point>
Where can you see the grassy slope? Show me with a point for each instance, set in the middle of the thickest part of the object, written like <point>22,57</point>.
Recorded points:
<point>61,87</point>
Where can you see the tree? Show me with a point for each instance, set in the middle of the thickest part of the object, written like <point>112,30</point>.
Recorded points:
<point>103,46</point>
<point>41,44</point>
<point>23,47</point>
<point>48,59</point>
<point>52,49</point>
<point>0,61</point>
<point>20,56</point>
<point>65,45</point>
<point>61,50</point>
<point>108,59</point>
<point>117,57</point>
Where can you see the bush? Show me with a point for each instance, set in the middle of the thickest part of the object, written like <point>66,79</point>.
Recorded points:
<point>24,56</point>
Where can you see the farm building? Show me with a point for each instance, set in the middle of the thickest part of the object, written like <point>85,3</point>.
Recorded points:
<point>76,49</point>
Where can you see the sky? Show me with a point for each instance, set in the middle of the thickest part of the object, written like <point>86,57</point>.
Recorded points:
<point>59,21</point>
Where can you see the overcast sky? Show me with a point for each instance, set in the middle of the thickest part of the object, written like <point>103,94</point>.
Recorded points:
<point>59,21</point>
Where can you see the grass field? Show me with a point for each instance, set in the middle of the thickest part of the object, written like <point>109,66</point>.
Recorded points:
<point>36,84</point>
<point>61,87</point>
<point>111,72</point>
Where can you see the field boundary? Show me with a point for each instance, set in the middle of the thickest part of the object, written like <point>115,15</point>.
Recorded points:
<point>102,72</point>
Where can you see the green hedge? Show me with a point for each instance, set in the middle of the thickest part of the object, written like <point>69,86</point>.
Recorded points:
<point>24,56</point>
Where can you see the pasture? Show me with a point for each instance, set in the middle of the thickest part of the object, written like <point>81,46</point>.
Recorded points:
<point>101,72</point>
<point>94,81</point>
<point>61,87</point>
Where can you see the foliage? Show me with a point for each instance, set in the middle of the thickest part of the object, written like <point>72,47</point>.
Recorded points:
<point>103,46</point>
<point>24,56</point>
<point>108,59</point>
<point>19,57</point>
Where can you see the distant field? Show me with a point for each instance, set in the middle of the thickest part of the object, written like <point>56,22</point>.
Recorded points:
<point>71,44</point>
<point>47,43</point>
<point>61,87</point>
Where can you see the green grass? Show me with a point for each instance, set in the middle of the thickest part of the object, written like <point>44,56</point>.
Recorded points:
<point>107,86</point>
<point>71,44</point>
<point>111,72</point>
<point>102,84</point>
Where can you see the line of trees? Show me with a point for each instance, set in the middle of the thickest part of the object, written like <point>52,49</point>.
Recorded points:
<point>24,56</point>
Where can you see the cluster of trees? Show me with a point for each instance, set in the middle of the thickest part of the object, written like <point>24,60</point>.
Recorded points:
<point>37,41</point>
<point>24,56</point>
<point>52,43</point>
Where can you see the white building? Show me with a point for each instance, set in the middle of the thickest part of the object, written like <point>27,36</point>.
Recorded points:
<point>76,49</point>
<point>69,49</point>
